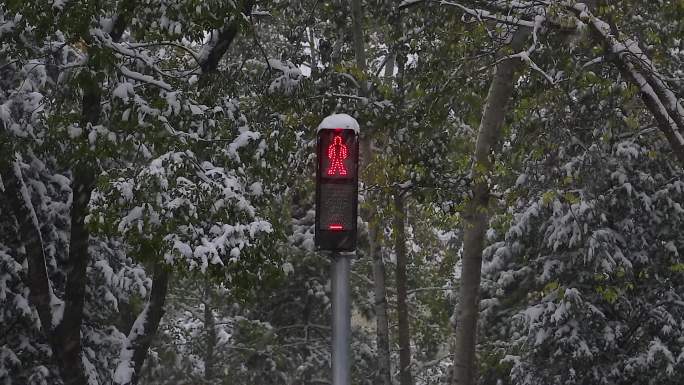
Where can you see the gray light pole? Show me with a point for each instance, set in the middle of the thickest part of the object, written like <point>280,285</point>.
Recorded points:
<point>341,314</point>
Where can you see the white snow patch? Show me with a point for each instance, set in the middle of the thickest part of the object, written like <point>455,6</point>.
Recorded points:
<point>223,337</point>
<point>289,81</point>
<point>522,178</point>
<point>57,306</point>
<point>256,189</point>
<point>343,121</point>
<point>288,268</point>
<point>123,90</point>
<point>134,215</point>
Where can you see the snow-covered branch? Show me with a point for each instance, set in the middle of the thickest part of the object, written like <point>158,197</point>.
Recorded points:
<point>666,108</point>
<point>663,103</point>
<point>137,76</point>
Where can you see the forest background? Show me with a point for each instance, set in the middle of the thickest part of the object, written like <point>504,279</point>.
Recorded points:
<point>521,201</point>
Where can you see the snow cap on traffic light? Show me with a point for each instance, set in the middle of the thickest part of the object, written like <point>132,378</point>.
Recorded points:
<point>342,121</point>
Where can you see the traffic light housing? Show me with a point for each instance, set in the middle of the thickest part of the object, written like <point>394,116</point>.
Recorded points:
<point>337,183</point>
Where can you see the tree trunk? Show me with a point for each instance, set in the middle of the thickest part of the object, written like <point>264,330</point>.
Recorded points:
<point>380,306</point>
<point>210,330</point>
<point>224,40</point>
<point>74,295</point>
<point>153,312</point>
<point>83,175</point>
<point>405,377</point>
<point>383,374</point>
<point>31,239</point>
<point>67,344</point>
<point>65,339</point>
<point>311,36</point>
<point>357,37</point>
<point>476,216</point>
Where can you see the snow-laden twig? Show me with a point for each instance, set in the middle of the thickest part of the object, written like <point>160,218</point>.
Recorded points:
<point>348,77</point>
<point>485,14</point>
<point>536,25</point>
<point>409,3</point>
<point>525,57</point>
<point>192,53</point>
<point>26,196</point>
<point>531,6</point>
<point>593,61</point>
<point>347,96</point>
<point>131,50</point>
<point>144,78</point>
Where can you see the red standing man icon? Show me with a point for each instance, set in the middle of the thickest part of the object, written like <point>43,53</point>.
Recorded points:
<point>337,153</point>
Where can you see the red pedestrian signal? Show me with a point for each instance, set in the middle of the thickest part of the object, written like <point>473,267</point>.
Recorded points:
<point>337,183</point>
<point>337,153</point>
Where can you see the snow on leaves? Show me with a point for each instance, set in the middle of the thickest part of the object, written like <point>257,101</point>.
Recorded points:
<point>175,179</point>
<point>200,212</point>
<point>288,82</point>
<point>581,255</point>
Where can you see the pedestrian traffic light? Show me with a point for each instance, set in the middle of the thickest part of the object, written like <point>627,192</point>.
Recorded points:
<point>337,147</point>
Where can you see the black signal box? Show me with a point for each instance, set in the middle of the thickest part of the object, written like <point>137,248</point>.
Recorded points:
<point>337,189</point>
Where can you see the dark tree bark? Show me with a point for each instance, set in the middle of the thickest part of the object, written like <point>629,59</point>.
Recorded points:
<point>210,331</point>
<point>380,305</point>
<point>126,9</point>
<point>357,36</point>
<point>74,296</point>
<point>405,377</point>
<point>225,38</point>
<point>83,175</point>
<point>155,310</point>
<point>383,373</point>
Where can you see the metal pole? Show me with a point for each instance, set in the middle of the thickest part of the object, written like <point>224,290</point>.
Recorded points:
<point>341,313</point>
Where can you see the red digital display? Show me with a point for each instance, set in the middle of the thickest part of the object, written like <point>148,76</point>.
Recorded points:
<point>336,227</point>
